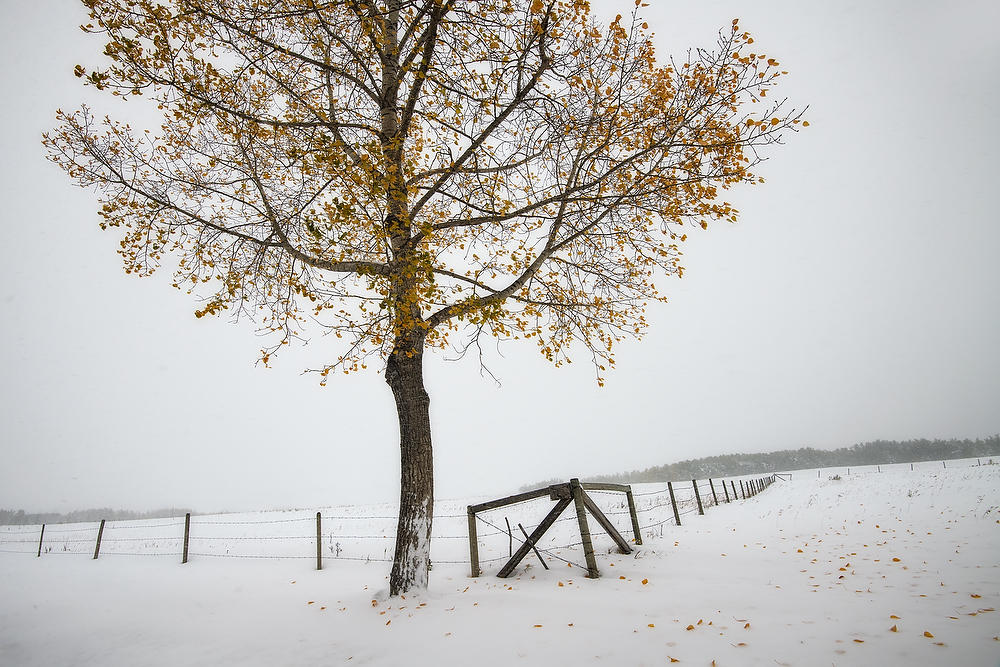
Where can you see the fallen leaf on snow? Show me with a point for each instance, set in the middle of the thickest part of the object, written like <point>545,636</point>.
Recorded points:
<point>927,634</point>
<point>894,629</point>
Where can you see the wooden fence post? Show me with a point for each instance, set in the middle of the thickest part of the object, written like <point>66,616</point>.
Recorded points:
<point>510,539</point>
<point>697,496</point>
<point>100,532</point>
<point>733,484</point>
<point>944,465</point>
<point>911,467</point>
<point>673,501</point>
<point>726,489</point>
<point>473,544</point>
<point>636,531</point>
<point>714,497</point>
<point>187,536</point>
<point>743,490</point>
<point>581,517</point>
<point>319,541</point>
<point>41,536</point>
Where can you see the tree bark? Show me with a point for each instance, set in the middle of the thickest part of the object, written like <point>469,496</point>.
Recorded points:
<point>411,562</point>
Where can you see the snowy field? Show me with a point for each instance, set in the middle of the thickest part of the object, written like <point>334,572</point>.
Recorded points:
<point>891,567</point>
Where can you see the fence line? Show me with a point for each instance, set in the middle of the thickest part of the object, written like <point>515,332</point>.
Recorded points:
<point>115,540</point>
<point>656,506</point>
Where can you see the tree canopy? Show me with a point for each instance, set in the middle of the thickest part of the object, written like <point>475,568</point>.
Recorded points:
<point>457,168</point>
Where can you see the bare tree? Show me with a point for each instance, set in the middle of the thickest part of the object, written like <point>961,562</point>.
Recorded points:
<point>415,174</point>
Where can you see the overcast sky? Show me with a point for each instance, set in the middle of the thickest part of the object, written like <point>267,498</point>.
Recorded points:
<point>857,299</point>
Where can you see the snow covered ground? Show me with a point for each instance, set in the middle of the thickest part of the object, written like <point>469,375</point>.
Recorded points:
<point>897,567</point>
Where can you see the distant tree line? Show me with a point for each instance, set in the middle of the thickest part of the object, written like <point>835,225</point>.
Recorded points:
<point>21,518</point>
<point>868,453</point>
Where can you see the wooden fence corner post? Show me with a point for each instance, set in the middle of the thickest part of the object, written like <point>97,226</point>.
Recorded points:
<point>473,543</point>
<point>187,536</point>
<point>636,531</point>
<point>581,517</point>
<point>673,502</point>
<point>97,548</point>
<point>319,541</point>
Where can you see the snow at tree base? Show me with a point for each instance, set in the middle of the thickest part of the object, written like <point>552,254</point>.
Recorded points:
<point>897,567</point>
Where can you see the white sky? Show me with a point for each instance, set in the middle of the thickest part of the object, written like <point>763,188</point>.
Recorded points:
<point>857,299</point>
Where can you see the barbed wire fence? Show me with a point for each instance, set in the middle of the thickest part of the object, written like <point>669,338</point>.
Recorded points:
<point>350,534</point>
<point>338,535</point>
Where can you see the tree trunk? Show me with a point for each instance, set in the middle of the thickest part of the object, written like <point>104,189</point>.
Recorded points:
<point>411,562</point>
